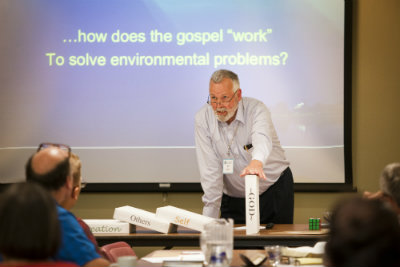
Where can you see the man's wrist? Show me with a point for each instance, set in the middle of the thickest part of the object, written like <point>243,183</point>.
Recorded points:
<point>257,162</point>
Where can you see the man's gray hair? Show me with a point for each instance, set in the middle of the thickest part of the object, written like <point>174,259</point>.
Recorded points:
<point>390,181</point>
<point>219,75</point>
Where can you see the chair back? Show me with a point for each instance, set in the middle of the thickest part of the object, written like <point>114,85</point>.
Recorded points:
<point>114,250</point>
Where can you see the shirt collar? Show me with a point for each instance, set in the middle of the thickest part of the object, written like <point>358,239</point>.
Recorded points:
<point>240,112</point>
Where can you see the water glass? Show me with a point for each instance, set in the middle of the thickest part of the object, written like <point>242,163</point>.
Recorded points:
<point>203,246</point>
<point>274,255</point>
<point>216,242</point>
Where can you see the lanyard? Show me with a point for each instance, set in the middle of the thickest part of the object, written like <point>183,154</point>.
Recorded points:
<point>229,144</point>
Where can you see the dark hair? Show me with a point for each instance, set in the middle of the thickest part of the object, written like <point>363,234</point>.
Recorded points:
<point>52,180</point>
<point>363,232</point>
<point>29,224</point>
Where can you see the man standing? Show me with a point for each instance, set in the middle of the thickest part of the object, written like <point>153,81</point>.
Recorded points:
<point>50,167</point>
<point>235,137</point>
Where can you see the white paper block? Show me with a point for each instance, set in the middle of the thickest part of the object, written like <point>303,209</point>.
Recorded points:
<point>143,218</point>
<point>183,217</point>
<point>252,205</point>
<point>109,226</point>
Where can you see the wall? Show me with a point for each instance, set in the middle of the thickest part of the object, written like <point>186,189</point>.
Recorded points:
<point>375,115</point>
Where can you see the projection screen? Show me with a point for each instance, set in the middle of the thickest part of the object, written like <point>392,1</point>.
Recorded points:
<point>120,82</point>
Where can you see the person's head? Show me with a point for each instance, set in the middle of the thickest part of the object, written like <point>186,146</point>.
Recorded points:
<point>390,183</point>
<point>30,229</point>
<point>224,94</point>
<point>50,167</point>
<point>363,232</point>
<point>77,184</point>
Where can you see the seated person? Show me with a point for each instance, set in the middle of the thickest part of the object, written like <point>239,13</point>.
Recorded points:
<point>50,167</point>
<point>30,231</point>
<point>363,232</point>
<point>69,202</point>
<point>389,187</point>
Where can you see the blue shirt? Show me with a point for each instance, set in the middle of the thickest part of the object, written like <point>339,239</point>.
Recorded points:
<point>75,246</point>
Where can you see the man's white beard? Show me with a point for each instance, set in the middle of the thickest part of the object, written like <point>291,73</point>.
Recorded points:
<point>230,113</point>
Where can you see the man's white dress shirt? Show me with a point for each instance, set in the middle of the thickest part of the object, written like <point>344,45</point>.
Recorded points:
<point>252,125</point>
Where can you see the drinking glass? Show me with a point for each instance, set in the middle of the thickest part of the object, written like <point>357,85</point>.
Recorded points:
<point>274,255</point>
<point>216,242</point>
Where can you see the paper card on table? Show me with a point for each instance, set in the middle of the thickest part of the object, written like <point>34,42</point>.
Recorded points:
<point>143,218</point>
<point>107,226</point>
<point>188,256</point>
<point>304,251</point>
<point>252,205</point>
<point>308,261</point>
<point>183,217</point>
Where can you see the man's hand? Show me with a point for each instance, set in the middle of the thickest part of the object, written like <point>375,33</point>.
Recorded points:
<point>256,168</point>
<point>376,195</point>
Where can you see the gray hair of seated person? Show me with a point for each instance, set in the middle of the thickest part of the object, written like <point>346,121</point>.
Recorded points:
<point>30,229</point>
<point>219,75</point>
<point>363,232</point>
<point>390,181</point>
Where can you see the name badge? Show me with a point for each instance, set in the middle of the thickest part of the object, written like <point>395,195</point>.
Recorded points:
<point>227,166</point>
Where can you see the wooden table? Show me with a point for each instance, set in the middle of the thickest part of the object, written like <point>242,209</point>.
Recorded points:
<point>292,235</point>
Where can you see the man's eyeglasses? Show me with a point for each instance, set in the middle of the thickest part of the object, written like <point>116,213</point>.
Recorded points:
<point>81,185</point>
<point>212,100</point>
<point>60,146</point>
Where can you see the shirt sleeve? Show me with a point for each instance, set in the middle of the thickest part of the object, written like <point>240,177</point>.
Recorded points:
<point>89,234</point>
<point>75,247</point>
<point>210,168</point>
<point>261,133</point>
